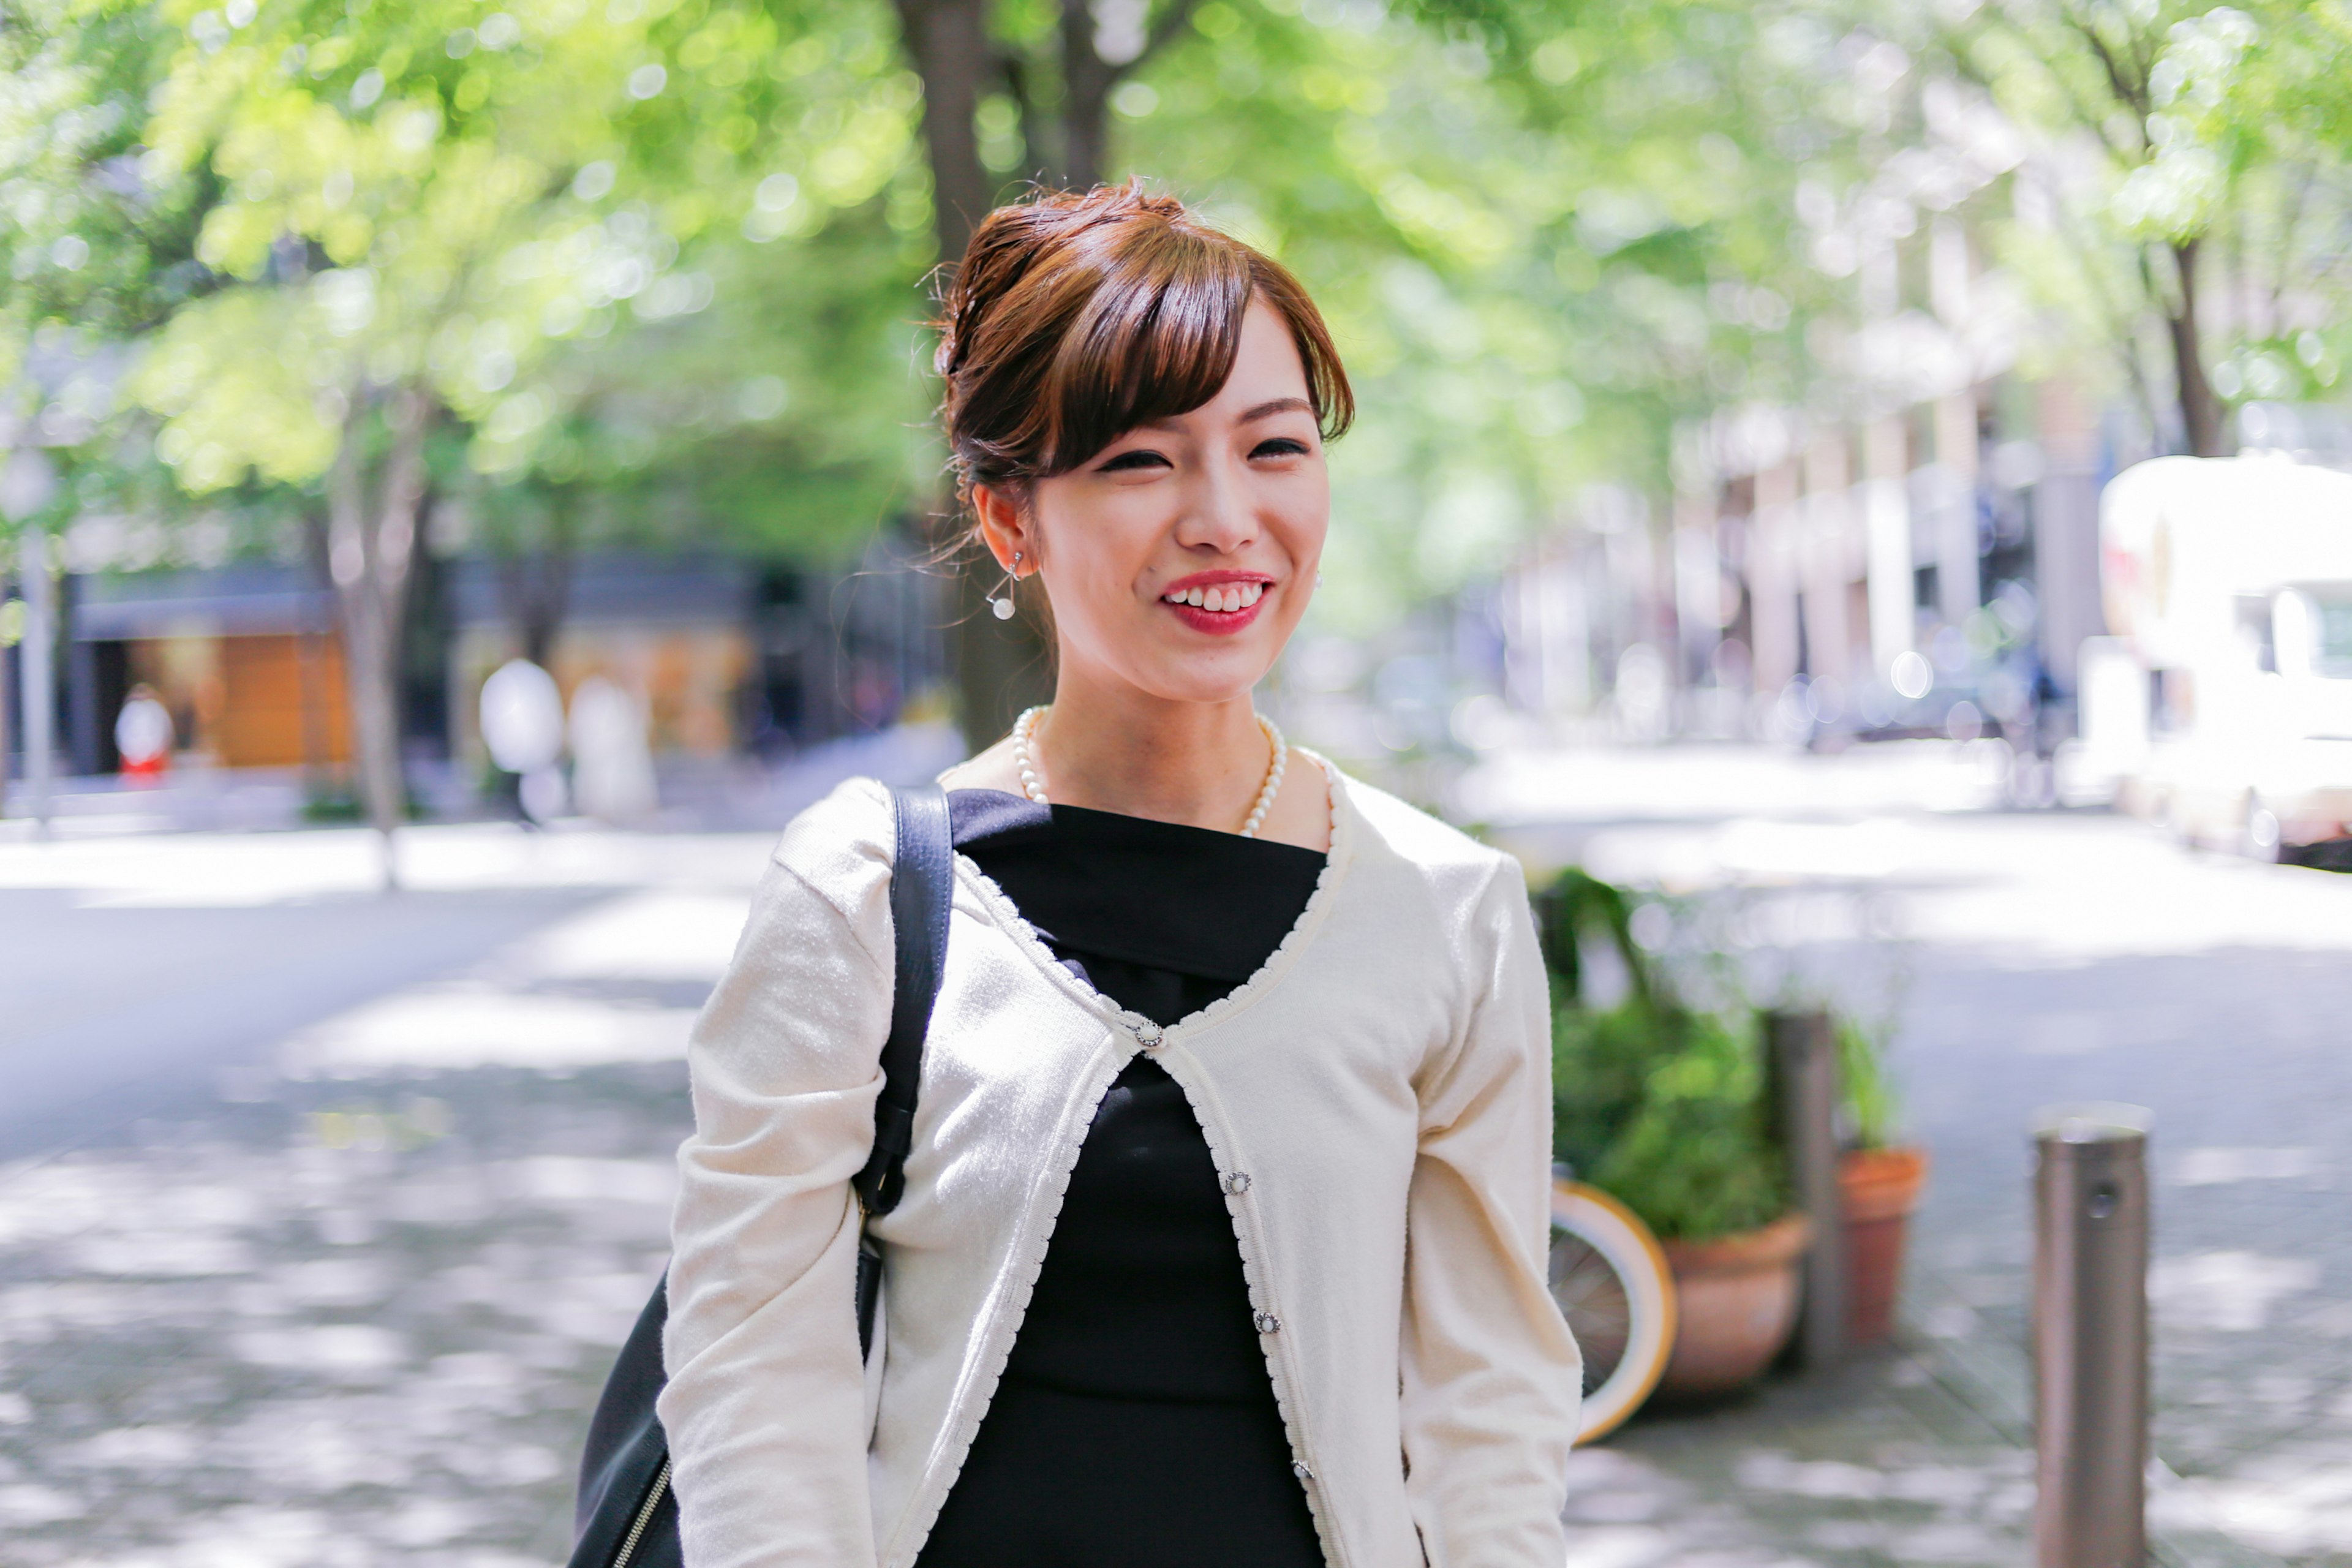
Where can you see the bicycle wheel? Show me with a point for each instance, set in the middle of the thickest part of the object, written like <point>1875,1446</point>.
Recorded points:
<point>1610,1280</point>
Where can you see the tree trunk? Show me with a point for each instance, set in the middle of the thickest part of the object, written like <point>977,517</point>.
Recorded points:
<point>1001,666</point>
<point>537,592</point>
<point>1086,82</point>
<point>370,544</point>
<point>311,651</point>
<point>948,40</point>
<point>2202,422</point>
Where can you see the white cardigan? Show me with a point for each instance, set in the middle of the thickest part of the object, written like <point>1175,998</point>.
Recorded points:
<point>1376,1099</point>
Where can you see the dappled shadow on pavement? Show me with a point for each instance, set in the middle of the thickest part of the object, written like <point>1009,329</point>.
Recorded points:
<point>346,1325</point>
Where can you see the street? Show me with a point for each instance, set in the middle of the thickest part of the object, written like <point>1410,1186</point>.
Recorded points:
<point>327,1208</point>
<point>361,1191</point>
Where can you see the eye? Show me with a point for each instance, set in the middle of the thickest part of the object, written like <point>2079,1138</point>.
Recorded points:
<point>1279,447</point>
<point>1136,459</point>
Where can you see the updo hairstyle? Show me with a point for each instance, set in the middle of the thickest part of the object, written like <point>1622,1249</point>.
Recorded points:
<point>1075,318</point>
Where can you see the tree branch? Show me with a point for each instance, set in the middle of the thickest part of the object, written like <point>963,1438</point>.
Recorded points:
<point>2043,50</point>
<point>1165,31</point>
<point>2298,207</point>
<point>2124,326</point>
<point>1037,137</point>
<point>2130,94</point>
<point>1088,79</point>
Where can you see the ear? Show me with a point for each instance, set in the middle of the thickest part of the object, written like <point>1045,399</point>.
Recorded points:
<point>1003,528</point>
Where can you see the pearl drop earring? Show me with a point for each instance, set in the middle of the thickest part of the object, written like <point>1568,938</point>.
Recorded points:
<point>1002,604</point>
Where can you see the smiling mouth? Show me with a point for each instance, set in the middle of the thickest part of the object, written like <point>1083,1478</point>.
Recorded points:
<point>1227,598</point>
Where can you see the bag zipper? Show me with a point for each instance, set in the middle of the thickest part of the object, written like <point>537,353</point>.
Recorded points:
<point>644,1517</point>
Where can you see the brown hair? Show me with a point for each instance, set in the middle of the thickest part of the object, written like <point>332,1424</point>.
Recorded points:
<point>1075,318</point>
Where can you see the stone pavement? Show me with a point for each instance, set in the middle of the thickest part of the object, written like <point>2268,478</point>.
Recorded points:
<point>350,1322</point>
<point>349,1304</point>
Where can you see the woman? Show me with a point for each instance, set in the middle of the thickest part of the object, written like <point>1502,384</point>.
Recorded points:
<point>1223,1235</point>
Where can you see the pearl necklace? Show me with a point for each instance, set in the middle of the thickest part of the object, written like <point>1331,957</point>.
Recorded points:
<point>1025,732</point>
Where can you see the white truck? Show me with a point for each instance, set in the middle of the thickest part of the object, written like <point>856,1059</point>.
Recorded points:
<point>2222,702</point>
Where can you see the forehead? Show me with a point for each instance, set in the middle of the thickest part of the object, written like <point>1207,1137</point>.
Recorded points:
<point>1265,362</point>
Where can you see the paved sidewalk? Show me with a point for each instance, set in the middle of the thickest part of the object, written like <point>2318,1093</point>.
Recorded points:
<point>349,1305</point>
<point>348,1324</point>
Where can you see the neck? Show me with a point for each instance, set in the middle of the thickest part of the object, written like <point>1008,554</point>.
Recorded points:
<point>1199,764</point>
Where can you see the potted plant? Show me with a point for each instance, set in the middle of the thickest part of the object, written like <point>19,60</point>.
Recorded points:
<point>1661,1104</point>
<point>1879,1182</point>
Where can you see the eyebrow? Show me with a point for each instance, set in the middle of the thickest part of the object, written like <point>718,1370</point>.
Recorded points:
<point>1249,415</point>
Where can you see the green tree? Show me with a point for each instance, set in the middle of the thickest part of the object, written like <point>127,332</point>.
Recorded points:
<point>91,248</point>
<point>653,269</point>
<point>95,240</point>
<point>438,220</point>
<point>1543,235</point>
<point>2184,192</point>
<point>2256,130</point>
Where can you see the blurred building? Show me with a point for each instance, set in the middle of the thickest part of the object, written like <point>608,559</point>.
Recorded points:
<point>244,657</point>
<point>1914,551</point>
<point>728,658</point>
<point>1932,567</point>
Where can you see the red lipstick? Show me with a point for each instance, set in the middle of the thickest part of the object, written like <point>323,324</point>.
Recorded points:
<point>1232,600</point>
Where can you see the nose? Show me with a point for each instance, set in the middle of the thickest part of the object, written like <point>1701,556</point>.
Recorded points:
<point>1218,516</point>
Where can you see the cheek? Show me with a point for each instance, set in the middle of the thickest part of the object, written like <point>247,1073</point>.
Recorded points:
<point>1094,554</point>
<point>1301,515</point>
<point>1116,548</point>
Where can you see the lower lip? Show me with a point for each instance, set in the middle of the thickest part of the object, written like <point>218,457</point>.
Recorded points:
<point>1217,623</point>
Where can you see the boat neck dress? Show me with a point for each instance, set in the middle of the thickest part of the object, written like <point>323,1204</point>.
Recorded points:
<point>1135,1425</point>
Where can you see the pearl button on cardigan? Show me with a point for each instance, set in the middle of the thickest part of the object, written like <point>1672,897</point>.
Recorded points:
<point>1385,1080</point>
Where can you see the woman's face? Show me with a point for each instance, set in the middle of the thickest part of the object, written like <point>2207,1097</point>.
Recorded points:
<point>1179,557</point>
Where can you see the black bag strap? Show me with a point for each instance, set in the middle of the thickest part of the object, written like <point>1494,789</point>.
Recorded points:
<point>923,885</point>
<point>625,1515</point>
<point>624,1466</point>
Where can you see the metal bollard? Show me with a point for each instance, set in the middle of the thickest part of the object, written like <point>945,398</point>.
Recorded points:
<point>1805,1083</point>
<point>2090,1336</point>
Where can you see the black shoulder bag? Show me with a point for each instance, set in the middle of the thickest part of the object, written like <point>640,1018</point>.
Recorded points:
<point>627,1516</point>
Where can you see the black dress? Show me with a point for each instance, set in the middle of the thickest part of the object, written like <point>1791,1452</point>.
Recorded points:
<point>1135,1426</point>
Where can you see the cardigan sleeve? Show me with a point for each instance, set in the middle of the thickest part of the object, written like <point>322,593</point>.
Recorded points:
<point>766,1407</point>
<point>1491,1377</point>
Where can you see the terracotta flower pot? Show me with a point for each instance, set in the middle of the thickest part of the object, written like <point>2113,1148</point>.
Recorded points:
<point>1737,1303</point>
<point>1878,1188</point>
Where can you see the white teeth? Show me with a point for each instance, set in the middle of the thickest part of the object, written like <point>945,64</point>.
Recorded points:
<point>1223,599</point>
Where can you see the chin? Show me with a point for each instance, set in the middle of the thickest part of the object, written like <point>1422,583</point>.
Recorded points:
<point>1221,679</point>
